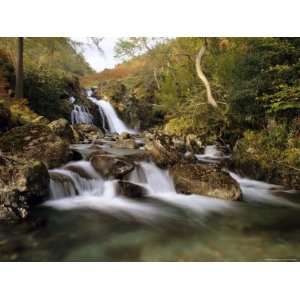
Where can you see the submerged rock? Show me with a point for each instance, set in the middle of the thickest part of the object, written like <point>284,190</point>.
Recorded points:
<point>35,141</point>
<point>111,166</point>
<point>88,132</point>
<point>203,179</point>
<point>23,183</point>
<point>62,128</point>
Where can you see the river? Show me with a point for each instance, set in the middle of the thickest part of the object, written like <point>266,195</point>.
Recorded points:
<point>86,218</point>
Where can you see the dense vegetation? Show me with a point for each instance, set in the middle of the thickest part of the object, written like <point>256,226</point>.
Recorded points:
<point>52,67</point>
<point>254,80</point>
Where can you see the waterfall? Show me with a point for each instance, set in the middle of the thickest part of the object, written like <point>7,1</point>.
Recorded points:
<point>263,192</point>
<point>78,185</point>
<point>211,154</point>
<point>102,114</point>
<point>107,112</point>
<point>80,114</point>
<point>157,180</point>
<point>114,122</point>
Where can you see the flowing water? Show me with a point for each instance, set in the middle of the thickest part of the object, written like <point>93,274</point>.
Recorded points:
<point>87,218</point>
<point>80,114</point>
<point>108,113</point>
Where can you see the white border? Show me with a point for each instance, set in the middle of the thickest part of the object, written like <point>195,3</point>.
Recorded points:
<point>143,281</point>
<point>149,18</point>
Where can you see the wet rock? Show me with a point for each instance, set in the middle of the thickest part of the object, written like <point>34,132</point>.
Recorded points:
<point>62,128</point>
<point>111,166</point>
<point>203,179</point>
<point>88,132</point>
<point>125,143</point>
<point>193,143</point>
<point>38,142</point>
<point>23,183</point>
<point>124,136</point>
<point>131,190</point>
<point>79,170</point>
<point>65,181</point>
<point>162,149</point>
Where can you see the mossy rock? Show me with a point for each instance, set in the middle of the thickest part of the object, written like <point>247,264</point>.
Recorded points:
<point>23,184</point>
<point>204,179</point>
<point>35,141</point>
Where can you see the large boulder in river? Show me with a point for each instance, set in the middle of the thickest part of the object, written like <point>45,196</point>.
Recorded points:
<point>62,128</point>
<point>162,149</point>
<point>88,132</point>
<point>207,180</point>
<point>111,166</point>
<point>23,183</point>
<point>35,141</point>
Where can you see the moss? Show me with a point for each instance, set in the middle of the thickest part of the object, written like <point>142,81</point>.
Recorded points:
<point>21,113</point>
<point>269,155</point>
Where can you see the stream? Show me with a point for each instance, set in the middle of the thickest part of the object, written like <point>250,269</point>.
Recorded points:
<point>87,219</point>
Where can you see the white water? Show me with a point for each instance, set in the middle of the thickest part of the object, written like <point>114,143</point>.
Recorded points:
<point>107,111</point>
<point>263,192</point>
<point>102,195</point>
<point>80,114</point>
<point>211,154</point>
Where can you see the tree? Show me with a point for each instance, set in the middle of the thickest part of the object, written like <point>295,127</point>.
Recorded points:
<point>19,68</point>
<point>201,75</point>
<point>132,47</point>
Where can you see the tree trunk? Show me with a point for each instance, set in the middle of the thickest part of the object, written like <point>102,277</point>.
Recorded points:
<point>156,79</point>
<point>19,68</point>
<point>201,75</point>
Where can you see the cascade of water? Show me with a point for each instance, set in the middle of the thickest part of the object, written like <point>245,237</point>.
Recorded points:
<point>262,192</point>
<point>211,154</point>
<point>156,179</point>
<point>102,114</point>
<point>80,190</point>
<point>107,112</point>
<point>80,114</point>
<point>160,185</point>
<point>76,178</point>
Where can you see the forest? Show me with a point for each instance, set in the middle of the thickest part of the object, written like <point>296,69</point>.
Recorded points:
<point>185,134</point>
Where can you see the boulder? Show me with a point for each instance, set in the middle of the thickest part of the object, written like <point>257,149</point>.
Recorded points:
<point>38,142</point>
<point>88,132</point>
<point>23,183</point>
<point>131,190</point>
<point>124,136</point>
<point>125,143</point>
<point>193,143</point>
<point>111,166</point>
<point>22,114</point>
<point>207,180</point>
<point>162,149</point>
<point>62,128</point>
